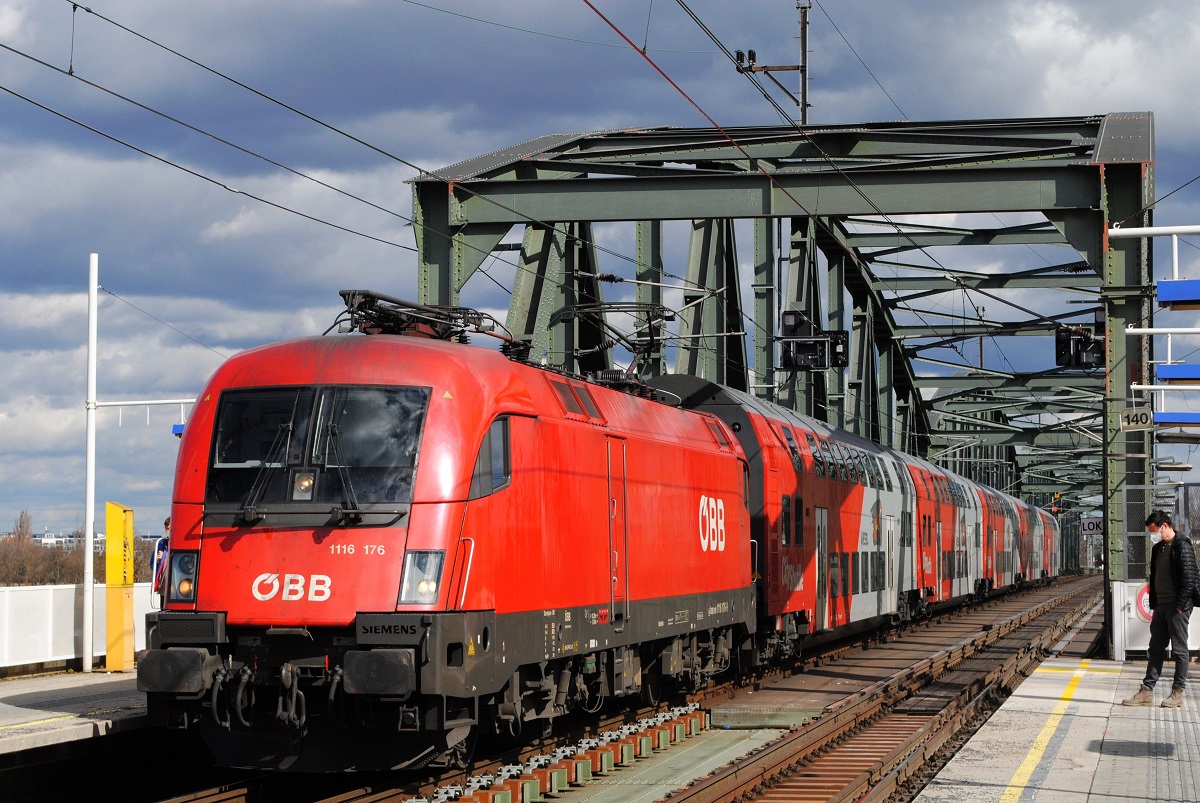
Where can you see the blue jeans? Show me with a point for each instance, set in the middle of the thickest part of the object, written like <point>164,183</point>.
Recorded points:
<point>1168,626</point>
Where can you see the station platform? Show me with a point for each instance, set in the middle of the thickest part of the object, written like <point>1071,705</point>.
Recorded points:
<point>49,710</point>
<point>1064,736</point>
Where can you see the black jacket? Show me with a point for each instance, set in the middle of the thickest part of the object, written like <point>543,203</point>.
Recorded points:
<point>1183,570</point>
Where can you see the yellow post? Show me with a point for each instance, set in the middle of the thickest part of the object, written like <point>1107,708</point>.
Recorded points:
<point>118,564</point>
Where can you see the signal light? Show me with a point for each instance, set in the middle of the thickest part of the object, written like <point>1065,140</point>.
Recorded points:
<point>807,348</point>
<point>1078,347</point>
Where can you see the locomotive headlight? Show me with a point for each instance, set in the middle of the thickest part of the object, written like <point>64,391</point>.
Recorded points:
<point>422,577</point>
<point>302,485</point>
<point>182,583</point>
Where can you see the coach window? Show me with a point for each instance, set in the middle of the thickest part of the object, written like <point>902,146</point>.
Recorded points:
<point>887,475</point>
<point>864,470</point>
<point>840,457</point>
<point>834,575</point>
<point>787,434</point>
<point>837,469</point>
<point>798,506</point>
<point>785,515</point>
<point>855,566</point>
<point>848,459</point>
<point>846,574</point>
<point>493,469</point>
<point>855,466</point>
<point>844,458</point>
<point>818,460</point>
<point>868,469</point>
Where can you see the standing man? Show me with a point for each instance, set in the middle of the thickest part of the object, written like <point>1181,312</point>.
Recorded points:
<point>1173,581</point>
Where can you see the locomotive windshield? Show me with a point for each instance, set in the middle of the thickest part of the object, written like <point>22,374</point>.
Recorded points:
<point>334,447</point>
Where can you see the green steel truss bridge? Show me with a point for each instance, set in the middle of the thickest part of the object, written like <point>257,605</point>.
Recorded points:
<point>967,261</point>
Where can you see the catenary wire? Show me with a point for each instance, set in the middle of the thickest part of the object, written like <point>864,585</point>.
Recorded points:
<point>684,281</point>
<point>199,175</point>
<point>164,323</point>
<point>281,207</point>
<point>358,140</point>
<point>543,33</point>
<point>254,154</point>
<point>860,59</point>
<point>1156,202</point>
<point>203,132</point>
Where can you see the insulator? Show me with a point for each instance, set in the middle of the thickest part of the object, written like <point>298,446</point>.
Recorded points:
<point>517,350</point>
<point>610,375</point>
<point>611,278</point>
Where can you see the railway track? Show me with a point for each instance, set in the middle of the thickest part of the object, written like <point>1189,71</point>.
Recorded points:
<point>874,745</point>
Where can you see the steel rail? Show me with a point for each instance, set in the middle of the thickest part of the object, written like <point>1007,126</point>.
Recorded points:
<point>752,776</point>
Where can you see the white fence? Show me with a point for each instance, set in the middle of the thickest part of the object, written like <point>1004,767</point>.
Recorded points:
<point>44,624</point>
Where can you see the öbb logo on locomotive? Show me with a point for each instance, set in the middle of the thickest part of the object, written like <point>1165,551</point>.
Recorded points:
<point>267,586</point>
<point>712,524</point>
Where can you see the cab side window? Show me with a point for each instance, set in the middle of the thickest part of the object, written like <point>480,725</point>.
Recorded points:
<point>493,468</point>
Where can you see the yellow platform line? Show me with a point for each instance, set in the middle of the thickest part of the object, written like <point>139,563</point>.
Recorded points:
<point>37,722</point>
<point>83,716</point>
<point>1016,784</point>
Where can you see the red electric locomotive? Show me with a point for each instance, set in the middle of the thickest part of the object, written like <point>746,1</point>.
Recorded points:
<point>410,539</point>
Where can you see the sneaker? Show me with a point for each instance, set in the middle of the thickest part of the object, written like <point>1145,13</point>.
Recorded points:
<point>1143,697</point>
<point>1175,700</point>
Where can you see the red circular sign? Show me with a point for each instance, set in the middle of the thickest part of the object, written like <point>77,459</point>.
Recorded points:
<point>1142,603</point>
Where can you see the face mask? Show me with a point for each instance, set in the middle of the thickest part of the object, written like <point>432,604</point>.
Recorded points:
<point>1156,537</point>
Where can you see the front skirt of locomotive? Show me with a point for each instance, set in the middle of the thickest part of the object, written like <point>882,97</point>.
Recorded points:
<point>320,700</point>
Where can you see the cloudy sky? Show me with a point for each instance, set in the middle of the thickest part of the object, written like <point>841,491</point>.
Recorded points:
<point>194,271</point>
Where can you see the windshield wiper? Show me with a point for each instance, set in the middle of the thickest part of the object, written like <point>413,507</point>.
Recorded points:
<point>248,510</point>
<point>349,512</point>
